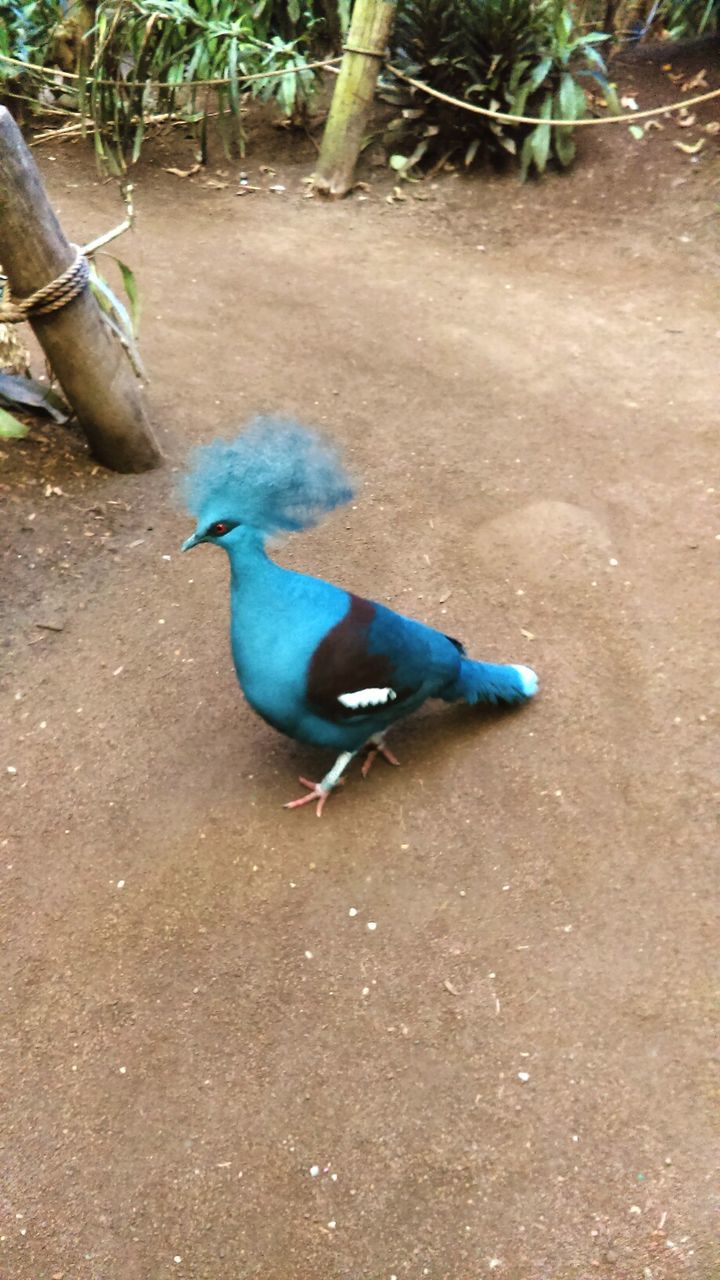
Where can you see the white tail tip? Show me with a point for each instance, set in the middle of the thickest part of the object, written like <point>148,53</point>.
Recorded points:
<point>529,681</point>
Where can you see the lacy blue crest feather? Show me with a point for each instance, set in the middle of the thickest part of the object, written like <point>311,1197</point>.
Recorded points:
<point>277,476</point>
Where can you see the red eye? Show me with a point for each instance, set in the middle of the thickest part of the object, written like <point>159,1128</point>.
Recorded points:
<point>220,528</point>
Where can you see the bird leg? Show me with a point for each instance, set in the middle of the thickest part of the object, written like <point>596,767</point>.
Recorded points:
<point>378,748</point>
<point>321,790</point>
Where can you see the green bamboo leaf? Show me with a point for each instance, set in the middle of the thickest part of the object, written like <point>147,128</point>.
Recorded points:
<point>539,73</point>
<point>526,156</point>
<point>110,303</point>
<point>133,296</point>
<point>540,137</point>
<point>10,427</point>
<point>564,146</point>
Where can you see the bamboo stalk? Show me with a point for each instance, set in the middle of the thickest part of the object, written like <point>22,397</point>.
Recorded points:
<point>367,40</point>
<point>84,353</point>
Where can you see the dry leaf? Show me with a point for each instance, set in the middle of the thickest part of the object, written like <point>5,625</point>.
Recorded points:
<point>184,173</point>
<point>653,124</point>
<point>449,987</point>
<point>527,634</point>
<point>696,82</point>
<point>686,121</point>
<point>713,127</point>
<point>217,186</point>
<point>690,148</point>
<point>268,169</point>
<point>630,103</point>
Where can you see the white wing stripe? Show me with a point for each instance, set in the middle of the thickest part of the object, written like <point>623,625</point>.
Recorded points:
<point>367,698</point>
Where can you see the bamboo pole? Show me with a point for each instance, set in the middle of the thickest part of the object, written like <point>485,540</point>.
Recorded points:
<point>367,40</point>
<point>89,362</point>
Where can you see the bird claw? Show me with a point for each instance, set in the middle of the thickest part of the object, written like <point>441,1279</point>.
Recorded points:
<point>382,750</point>
<point>316,791</point>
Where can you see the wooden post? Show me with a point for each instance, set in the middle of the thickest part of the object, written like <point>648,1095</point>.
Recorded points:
<point>87,358</point>
<point>367,40</point>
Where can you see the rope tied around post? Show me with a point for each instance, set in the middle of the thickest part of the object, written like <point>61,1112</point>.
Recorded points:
<point>365,53</point>
<point>51,297</point>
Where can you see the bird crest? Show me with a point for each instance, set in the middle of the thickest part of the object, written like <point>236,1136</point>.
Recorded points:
<point>276,475</point>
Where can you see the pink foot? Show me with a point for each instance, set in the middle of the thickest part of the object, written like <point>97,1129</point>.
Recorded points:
<point>381,750</point>
<point>316,792</point>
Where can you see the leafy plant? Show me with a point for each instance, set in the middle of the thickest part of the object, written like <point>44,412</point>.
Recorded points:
<point>197,57</point>
<point>136,60</point>
<point>27,31</point>
<point>517,57</point>
<point>690,17</point>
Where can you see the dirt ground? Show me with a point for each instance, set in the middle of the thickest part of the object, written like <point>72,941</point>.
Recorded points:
<point>209,1067</point>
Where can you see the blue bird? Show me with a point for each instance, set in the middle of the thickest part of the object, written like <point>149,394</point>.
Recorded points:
<point>318,663</point>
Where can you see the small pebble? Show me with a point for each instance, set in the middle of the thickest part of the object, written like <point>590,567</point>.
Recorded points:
<point>523,1075</point>
<point>308,955</point>
<point>123,1071</point>
<point>332,1224</point>
<point>613,562</point>
<point>372,926</point>
<point>11,770</point>
<point>177,1258</point>
<point>314,1170</point>
<point>120,884</point>
<point>352,911</point>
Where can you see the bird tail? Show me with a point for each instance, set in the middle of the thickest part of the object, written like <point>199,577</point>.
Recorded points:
<point>489,682</point>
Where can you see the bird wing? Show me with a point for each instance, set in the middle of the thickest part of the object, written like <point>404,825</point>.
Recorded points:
<point>374,660</point>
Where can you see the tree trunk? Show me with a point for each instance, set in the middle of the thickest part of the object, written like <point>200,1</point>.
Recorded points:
<point>87,358</point>
<point>367,39</point>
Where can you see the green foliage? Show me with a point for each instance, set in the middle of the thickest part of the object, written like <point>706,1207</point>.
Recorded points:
<point>690,17</point>
<point>27,31</point>
<point>518,57</point>
<point>194,58</point>
<point>124,320</point>
<point>631,20</point>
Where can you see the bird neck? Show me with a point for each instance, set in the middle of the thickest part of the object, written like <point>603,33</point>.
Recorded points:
<point>249,561</point>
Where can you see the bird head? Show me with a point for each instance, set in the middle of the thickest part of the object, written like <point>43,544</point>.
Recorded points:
<point>214,531</point>
<point>275,477</point>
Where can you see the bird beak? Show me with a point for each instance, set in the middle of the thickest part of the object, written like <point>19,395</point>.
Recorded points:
<point>191,542</point>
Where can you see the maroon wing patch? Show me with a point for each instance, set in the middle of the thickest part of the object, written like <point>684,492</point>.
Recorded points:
<point>342,663</point>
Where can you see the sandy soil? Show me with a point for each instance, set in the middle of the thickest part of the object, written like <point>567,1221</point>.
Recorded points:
<point>517,1070</point>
